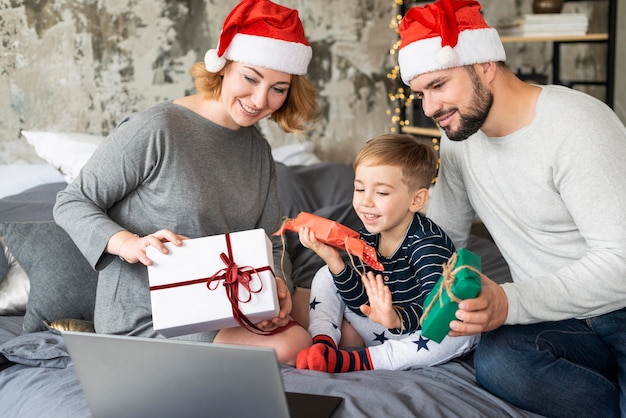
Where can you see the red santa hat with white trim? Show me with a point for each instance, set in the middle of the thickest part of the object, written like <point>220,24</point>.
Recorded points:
<point>445,34</point>
<point>264,34</point>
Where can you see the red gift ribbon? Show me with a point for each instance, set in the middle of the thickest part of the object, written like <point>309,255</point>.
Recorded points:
<point>232,276</point>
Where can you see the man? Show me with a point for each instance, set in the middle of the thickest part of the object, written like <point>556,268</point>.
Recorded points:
<point>544,168</point>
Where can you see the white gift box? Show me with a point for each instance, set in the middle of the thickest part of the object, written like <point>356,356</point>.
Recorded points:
<point>183,304</point>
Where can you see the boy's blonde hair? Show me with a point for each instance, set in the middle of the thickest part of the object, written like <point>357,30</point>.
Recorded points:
<point>294,116</point>
<point>418,161</point>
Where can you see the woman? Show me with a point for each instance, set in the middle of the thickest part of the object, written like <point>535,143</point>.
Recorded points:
<point>194,167</point>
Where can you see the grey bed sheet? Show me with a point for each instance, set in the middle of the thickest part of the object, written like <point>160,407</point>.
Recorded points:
<point>38,392</point>
<point>10,326</point>
<point>448,390</point>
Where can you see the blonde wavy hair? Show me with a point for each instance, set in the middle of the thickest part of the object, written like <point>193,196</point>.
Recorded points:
<point>296,115</point>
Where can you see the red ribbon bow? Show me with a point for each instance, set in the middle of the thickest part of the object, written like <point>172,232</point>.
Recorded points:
<point>233,276</point>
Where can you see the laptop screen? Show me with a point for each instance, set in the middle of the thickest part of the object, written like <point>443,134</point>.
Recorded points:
<point>140,377</point>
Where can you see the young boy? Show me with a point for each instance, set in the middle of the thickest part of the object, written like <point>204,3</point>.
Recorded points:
<point>392,176</point>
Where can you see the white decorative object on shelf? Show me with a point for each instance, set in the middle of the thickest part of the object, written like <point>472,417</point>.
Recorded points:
<point>547,24</point>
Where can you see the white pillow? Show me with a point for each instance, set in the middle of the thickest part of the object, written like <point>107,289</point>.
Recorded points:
<point>66,151</point>
<point>18,177</point>
<point>14,288</point>
<point>295,154</point>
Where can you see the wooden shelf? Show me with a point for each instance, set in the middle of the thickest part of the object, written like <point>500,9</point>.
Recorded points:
<point>416,130</point>
<point>590,37</point>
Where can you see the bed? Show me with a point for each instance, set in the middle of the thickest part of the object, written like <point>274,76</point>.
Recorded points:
<point>44,281</point>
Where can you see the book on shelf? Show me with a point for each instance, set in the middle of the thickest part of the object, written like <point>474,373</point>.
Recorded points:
<point>546,24</point>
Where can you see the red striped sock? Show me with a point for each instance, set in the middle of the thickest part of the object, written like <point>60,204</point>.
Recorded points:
<point>324,339</point>
<point>327,359</point>
<point>302,359</point>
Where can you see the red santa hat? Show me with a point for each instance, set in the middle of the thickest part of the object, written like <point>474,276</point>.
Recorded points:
<point>445,34</point>
<point>264,34</point>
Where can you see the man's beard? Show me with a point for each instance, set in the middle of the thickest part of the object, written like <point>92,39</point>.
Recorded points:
<point>470,123</point>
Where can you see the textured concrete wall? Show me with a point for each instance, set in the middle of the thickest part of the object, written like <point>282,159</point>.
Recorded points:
<point>82,65</point>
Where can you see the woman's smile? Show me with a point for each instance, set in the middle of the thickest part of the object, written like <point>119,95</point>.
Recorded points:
<point>249,109</point>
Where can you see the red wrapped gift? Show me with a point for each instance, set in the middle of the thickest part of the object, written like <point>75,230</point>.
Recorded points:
<point>335,234</point>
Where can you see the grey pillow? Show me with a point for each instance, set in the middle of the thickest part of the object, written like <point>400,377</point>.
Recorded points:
<point>42,349</point>
<point>312,187</point>
<point>34,204</point>
<point>4,264</point>
<point>62,283</point>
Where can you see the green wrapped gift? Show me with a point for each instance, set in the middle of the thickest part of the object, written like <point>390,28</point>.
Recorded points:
<point>459,280</point>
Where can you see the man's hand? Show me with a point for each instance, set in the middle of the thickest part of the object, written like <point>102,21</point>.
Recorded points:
<point>486,312</point>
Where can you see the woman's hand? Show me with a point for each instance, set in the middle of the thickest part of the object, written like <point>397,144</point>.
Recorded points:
<point>132,248</point>
<point>284,301</point>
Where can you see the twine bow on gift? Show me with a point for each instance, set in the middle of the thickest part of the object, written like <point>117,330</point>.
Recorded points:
<point>449,272</point>
<point>232,277</point>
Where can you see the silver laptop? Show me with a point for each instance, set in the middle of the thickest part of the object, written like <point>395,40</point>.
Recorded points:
<point>150,377</point>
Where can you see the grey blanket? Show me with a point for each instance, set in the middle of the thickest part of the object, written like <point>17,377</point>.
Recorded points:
<point>41,382</point>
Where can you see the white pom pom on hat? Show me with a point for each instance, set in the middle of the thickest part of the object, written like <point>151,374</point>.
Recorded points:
<point>446,57</point>
<point>212,62</point>
<point>445,34</point>
<point>264,34</point>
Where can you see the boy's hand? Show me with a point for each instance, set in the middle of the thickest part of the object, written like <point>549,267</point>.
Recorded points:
<point>381,308</point>
<point>308,239</point>
<point>328,253</point>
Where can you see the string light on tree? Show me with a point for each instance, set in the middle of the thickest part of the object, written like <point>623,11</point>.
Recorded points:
<point>398,100</point>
